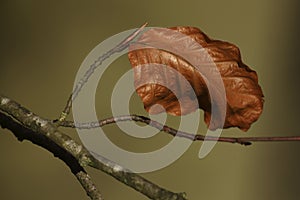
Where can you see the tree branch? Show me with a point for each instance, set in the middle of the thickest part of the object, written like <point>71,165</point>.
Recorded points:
<point>23,133</point>
<point>239,140</point>
<point>27,125</point>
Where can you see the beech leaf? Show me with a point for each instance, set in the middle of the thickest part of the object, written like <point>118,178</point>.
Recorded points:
<point>156,84</point>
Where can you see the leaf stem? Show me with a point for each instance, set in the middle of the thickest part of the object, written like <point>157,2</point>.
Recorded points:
<point>120,47</point>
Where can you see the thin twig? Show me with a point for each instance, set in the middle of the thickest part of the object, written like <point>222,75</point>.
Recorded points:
<point>177,133</point>
<point>43,127</point>
<point>120,47</point>
<point>88,185</point>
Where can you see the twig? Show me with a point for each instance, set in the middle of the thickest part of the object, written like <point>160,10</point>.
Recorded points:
<point>12,111</point>
<point>120,47</point>
<point>239,140</point>
<point>88,185</point>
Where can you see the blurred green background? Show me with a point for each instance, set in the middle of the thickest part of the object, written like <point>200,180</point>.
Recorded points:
<point>44,42</point>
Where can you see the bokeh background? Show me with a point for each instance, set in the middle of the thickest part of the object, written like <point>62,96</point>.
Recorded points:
<point>44,42</point>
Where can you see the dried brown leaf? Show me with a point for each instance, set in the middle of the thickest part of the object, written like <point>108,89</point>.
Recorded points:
<point>243,94</point>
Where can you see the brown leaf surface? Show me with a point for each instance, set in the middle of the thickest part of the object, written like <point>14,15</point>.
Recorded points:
<point>156,84</point>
